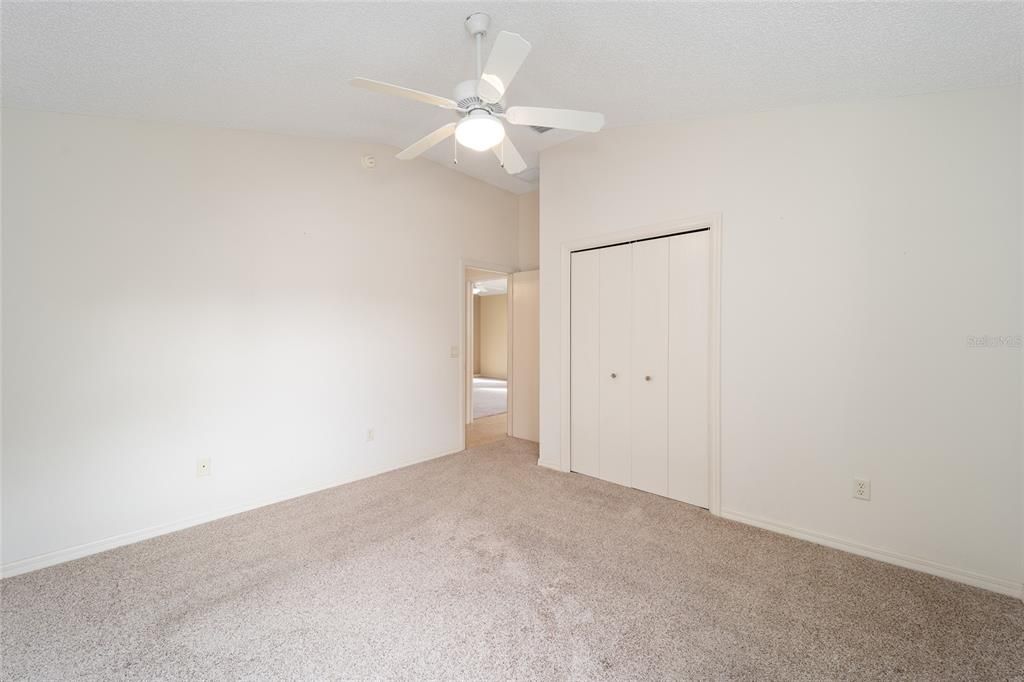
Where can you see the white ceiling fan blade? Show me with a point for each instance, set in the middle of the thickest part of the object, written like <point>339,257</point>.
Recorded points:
<point>509,156</point>
<point>507,55</point>
<point>425,143</point>
<point>408,93</point>
<point>564,119</point>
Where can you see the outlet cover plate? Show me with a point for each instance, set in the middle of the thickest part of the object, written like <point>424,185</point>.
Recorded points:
<point>862,489</point>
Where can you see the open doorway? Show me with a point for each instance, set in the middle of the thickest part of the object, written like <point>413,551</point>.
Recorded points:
<point>488,356</point>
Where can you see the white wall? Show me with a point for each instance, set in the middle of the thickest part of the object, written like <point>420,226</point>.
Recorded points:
<point>862,244</point>
<point>494,336</point>
<point>476,334</point>
<point>529,231</point>
<point>526,355</point>
<point>174,292</point>
<point>1020,325</point>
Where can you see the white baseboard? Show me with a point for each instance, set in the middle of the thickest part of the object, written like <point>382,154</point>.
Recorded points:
<point>549,465</point>
<point>78,551</point>
<point>1000,585</point>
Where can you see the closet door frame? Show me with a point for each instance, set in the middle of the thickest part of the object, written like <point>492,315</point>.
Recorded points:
<point>712,223</point>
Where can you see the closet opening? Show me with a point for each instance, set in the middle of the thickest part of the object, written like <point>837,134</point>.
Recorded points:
<point>642,359</point>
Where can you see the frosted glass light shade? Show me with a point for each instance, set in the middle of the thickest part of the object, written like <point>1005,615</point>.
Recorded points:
<point>479,131</point>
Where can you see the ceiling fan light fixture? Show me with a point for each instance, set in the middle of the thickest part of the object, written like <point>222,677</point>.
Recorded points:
<point>480,102</point>
<point>479,131</point>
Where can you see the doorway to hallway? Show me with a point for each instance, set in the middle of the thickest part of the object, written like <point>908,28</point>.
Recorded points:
<point>489,351</point>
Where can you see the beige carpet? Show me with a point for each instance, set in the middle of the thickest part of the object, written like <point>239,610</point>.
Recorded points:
<point>482,565</point>
<point>486,430</point>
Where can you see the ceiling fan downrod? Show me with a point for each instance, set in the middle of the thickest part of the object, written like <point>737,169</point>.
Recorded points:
<point>477,24</point>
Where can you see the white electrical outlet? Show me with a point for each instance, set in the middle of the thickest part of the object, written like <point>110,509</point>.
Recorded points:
<point>203,466</point>
<point>369,435</point>
<point>861,489</point>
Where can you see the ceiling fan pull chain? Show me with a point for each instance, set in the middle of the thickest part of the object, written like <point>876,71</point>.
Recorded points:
<point>455,151</point>
<point>503,152</point>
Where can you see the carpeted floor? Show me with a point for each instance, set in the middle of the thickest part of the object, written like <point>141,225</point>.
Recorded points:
<point>482,565</point>
<point>486,430</point>
<point>490,397</point>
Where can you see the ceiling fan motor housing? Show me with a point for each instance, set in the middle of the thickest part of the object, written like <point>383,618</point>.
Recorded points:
<point>467,100</point>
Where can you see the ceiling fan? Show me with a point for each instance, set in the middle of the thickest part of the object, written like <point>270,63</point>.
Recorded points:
<point>479,103</point>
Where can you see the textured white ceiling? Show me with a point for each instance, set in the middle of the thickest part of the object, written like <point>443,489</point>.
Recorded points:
<point>285,66</point>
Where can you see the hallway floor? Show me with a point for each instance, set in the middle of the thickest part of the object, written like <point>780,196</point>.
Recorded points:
<point>490,396</point>
<point>486,430</point>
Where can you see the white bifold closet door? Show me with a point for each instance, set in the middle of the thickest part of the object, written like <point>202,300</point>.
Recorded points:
<point>613,424</point>
<point>584,362</point>
<point>639,335</point>
<point>649,428</point>
<point>689,335</point>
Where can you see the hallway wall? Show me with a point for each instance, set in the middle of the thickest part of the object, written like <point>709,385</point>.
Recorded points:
<point>494,336</point>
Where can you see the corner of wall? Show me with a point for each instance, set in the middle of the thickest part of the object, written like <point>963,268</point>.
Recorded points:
<point>1020,320</point>
<point>528,235</point>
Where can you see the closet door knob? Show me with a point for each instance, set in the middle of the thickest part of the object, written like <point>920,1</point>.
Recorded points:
<point>614,375</point>
<point>647,378</point>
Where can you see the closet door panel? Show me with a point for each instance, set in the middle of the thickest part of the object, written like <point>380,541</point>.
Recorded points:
<point>649,428</point>
<point>584,357</point>
<point>614,295</point>
<point>688,366</point>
